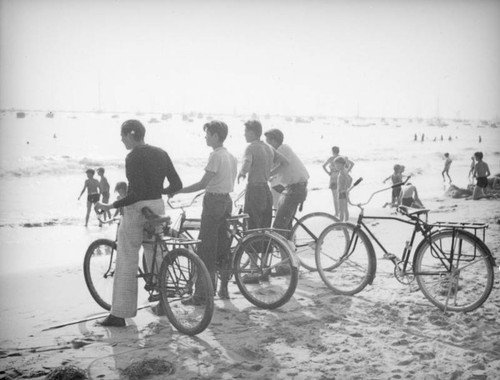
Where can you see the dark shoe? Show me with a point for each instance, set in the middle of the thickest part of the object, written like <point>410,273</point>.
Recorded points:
<point>193,301</point>
<point>251,278</point>
<point>112,321</point>
<point>158,309</point>
<point>282,270</point>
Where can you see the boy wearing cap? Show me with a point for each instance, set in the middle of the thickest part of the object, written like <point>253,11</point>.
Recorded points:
<point>292,175</point>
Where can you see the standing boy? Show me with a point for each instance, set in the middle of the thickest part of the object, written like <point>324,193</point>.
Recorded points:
<point>146,168</point>
<point>330,169</point>
<point>292,175</point>
<point>481,173</point>
<point>344,181</point>
<point>218,182</point>
<point>257,163</point>
<point>92,187</point>
<point>447,164</point>
<point>104,187</point>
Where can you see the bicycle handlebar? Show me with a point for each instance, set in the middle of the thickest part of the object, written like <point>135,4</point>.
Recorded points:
<point>360,205</point>
<point>182,206</point>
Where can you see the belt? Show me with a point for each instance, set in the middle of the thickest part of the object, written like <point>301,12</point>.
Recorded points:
<point>298,184</point>
<point>217,194</point>
<point>257,184</point>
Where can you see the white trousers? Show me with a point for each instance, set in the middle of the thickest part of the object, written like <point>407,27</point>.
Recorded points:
<point>130,238</point>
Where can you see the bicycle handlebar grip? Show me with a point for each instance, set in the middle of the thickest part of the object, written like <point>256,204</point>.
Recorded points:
<point>357,181</point>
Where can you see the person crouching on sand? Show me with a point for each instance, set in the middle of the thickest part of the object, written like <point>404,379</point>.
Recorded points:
<point>409,196</point>
<point>481,173</point>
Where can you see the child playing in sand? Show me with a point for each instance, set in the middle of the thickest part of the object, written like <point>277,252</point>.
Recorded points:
<point>409,196</point>
<point>481,173</point>
<point>447,164</point>
<point>104,187</point>
<point>396,177</point>
<point>92,187</point>
<point>344,181</point>
<point>121,189</point>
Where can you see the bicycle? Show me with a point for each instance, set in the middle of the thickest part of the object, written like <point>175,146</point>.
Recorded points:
<point>304,234</point>
<point>452,266</point>
<point>171,280</point>
<point>261,261</point>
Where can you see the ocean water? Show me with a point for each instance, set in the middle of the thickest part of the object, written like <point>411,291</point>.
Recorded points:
<point>43,160</point>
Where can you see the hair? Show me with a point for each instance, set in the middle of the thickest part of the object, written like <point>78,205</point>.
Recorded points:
<point>90,171</point>
<point>135,128</point>
<point>255,126</point>
<point>100,170</point>
<point>446,154</point>
<point>339,160</point>
<point>335,149</point>
<point>275,134</point>
<point>478,155</point>
<point>397,167</point>
<point>217,127</point>
<point>121,186</point>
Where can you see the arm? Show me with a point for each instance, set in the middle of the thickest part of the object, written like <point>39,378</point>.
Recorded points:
<point>247,163</point>
<point>200,185</point>
<point>83,190</point>
<point>174,181</point>
<point>349,164</point>
<point>487,170</point>
<point>326,166</point>
<point>280,160</point>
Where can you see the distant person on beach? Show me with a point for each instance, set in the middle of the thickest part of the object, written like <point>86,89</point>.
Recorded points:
<point>447,164</point>
<point>332,171</point>
<point>257,164</point>
<point>344,181</point>
<point>292,176</point>
<point>218,183</point>
<point>423,137</point>
<point>395,177</point>
<point>92,187</point>
<point>121,190</point>
<point>409,196</point>
<point>146,168</point>
<point>481,174</point>
<point>104,188</point>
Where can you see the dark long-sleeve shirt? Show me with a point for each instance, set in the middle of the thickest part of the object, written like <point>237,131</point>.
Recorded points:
<point>146,168</point>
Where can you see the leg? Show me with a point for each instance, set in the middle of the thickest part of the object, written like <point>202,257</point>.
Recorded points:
<point>335,194</point>
<point>89,207</point>
<point>287,207</point>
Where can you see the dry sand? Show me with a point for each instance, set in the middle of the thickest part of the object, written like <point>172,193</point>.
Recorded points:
<point>384,332</point>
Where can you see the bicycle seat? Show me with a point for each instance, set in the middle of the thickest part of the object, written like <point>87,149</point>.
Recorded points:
<point>410,211</point>
<point>153,219</point>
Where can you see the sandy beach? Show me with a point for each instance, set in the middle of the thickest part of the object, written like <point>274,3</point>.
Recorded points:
<point>384,332</point>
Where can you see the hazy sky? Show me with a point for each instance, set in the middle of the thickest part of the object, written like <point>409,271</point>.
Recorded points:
<point>378,58</point>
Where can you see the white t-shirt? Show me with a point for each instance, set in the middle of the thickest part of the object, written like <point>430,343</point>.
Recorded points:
<point>224,165</point>
<point>295,171</point>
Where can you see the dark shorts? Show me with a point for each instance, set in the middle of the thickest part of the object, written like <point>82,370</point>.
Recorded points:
<point>93,198</point>
<point>482,182</point>
<point>407,202</point>
<point>105,197</point>
<point>342,195</point>
<point>396,191</point>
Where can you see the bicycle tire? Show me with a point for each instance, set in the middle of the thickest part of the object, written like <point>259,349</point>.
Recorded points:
<point>267,259</point>
<point>305,233</point>
<point>98,270</point>
<point>182,275</point>
<point>345,258</point>
<point>468,281</point>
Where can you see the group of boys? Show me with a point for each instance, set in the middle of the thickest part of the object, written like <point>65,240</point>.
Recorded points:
<point>95,189</point>
<point>146,169</point>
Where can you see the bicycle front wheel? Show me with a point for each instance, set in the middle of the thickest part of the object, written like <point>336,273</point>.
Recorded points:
<point>265,270</point>
<point>305,234</point>
<point>454,270</point>
<point>345,258</point>
<point>99,270</point>
<point>186,291</point>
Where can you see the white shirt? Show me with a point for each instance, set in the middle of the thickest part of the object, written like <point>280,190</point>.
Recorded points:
<point>224,165</point>
<point>295,171</point>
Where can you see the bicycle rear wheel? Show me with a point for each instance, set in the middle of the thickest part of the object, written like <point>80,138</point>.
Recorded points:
<point>454,270</point>
<point>305,234</point>
<point>99,269</point>
<point>186,291</point>
<point>265,270</point>
<point>345,258</point>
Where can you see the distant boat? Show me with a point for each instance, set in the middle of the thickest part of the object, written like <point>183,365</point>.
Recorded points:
<point>166,116</point>
<point>115,117</point>
<point>50,115</point>
<point>20,115</point>
<point>153,120</point>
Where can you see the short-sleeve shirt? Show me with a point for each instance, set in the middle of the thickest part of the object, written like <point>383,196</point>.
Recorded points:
<point>257,162</point>
<point>224,165</point>
<point>295,171</point>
